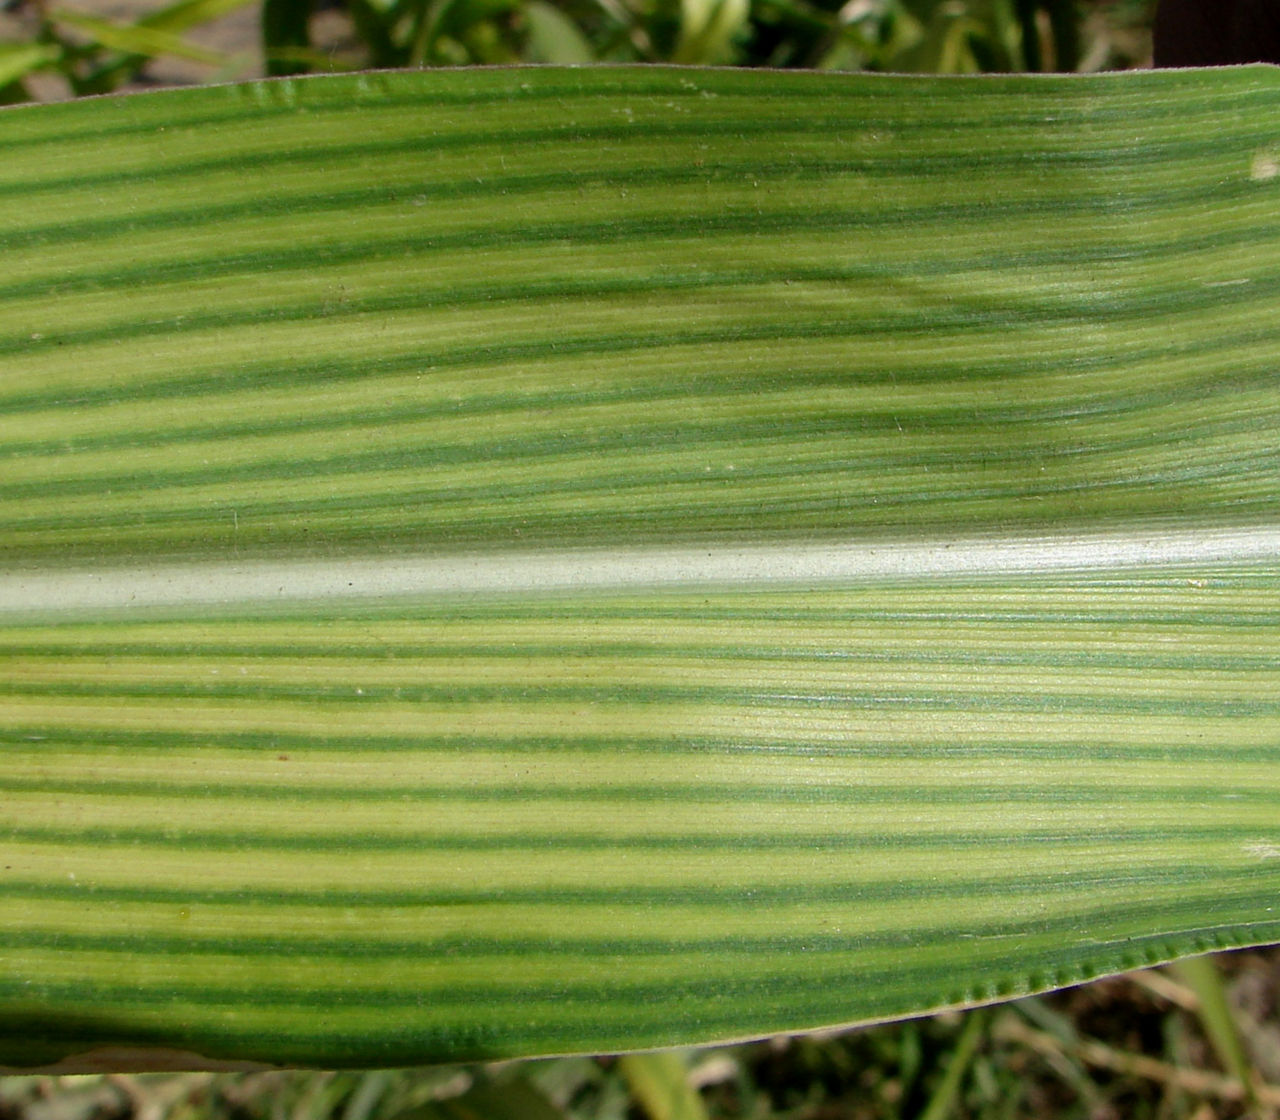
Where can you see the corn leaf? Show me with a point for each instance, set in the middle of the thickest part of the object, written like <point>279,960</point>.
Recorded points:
<point>525,561</point>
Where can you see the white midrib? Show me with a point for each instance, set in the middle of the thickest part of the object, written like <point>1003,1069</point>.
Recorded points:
<point>752,566</point>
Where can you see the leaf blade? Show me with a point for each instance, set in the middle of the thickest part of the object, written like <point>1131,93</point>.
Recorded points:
<point>359,822</point>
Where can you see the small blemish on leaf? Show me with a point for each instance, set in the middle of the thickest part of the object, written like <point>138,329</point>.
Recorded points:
<point>1266,164</point>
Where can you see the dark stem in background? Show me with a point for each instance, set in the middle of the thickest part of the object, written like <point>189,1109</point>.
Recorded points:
<point>1217,32</point>
<point>286,28</point>
<point>1064,23</point>
<point>1031,54</point>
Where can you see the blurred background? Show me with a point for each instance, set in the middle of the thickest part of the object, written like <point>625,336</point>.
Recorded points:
<point>53,49</point>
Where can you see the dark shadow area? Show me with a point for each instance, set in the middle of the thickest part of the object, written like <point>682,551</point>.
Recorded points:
<point>1216,32</point>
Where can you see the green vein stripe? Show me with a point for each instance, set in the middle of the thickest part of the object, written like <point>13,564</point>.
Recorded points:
<point>810,502</point>
<point>335,147</point>
<point>442,504</point>
<point>700,898</point>
<point>568,445</point>
<point>1091,610</point>
<point>778,701</point>
<point>625,230</point>
<point>296,208</point>
<point>89,741</point>
<point>719,974</point>
<point>395,1042</point>
<point>709,796</point>
<point>36,656</point>
<point>229,840</point>
<point>714,383</point>
<point>357,949</point>
<point>945,163</point>
<point>1168,251</point>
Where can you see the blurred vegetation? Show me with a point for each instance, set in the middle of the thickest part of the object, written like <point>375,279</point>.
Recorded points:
<point>58,48</point>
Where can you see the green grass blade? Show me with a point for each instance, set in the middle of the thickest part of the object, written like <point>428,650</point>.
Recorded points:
<point>660,1082</point>
<point>1202,976</point>
<point>136,38</point>
<point>17,60</point>
<point>527,561</point>
<point>946,1096</point>
<point>186,14</point>
<point>554,37</point>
